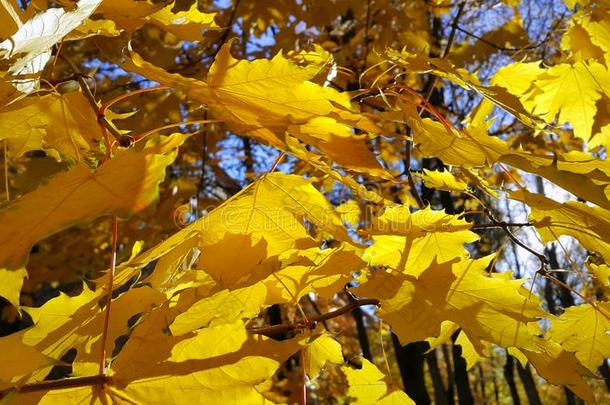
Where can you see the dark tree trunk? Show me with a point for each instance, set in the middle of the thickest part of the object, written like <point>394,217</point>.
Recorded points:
<point>482,385</point>
<point>450,377</point>
<point>411,364</point>
<point>605,372</point>
<point>509,375</point>
<point>363,338</point>
<point>440,394</point>
<point>525,373</point>
<point>461,377</point>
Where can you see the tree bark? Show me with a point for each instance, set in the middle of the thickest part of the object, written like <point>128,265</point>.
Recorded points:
<point>525,373</point>
<point>509,374</point>
<point>363,337</point>
<point>440,394</point>
<point>461,377</point>
<point>605,372</point>
<point>411,364</point>
<point>450,377</point>
<point>482,384</point>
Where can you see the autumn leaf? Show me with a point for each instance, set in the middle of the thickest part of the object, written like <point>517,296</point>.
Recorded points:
<point>64,124</point>
<point>29,49</point>
<point>486,308</point>
<point>123,185</point>
<point>304,202</point>
<point>369,385</point>
<point>584,330</point>
<point>264,98</point>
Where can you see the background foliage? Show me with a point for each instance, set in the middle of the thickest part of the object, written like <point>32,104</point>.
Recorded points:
<point>299,201</point>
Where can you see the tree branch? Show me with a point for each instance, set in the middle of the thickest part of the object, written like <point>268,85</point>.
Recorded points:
<point>505,227</point>
<point>286,327</point>
<point>501,225</point>
<point>65,383</point>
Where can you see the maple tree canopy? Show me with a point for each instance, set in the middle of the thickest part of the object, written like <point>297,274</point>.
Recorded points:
<point>295,201</point>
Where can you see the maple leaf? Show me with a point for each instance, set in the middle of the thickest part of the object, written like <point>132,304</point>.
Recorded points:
<point>131,15</point>
<point>577,172</point>
<point>254,214</point>
<point>486,308</point>
<point>318,352</point>
<point>410,243</point>
<point>584,329</point>
<point>444,180</point>
<point>148,363</point>
<point>553,94</point>
<point>560,367</point>
<point>264,98</point>
<point>29,49</point>
<point>589,225</point>
<point>306,271</point>
<point>369,385</point>
<point>62,122</point>
<point>123,185</point>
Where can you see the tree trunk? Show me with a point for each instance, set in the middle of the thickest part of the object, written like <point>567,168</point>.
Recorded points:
<point>605,372</point>
<point>482,385</point>
<point>525,373</point>
<point>509,374</point>
<point>411,364</point>
<point>461,377</point>
<point>450,378</point>
<point>363,337</point>
<point>440,395</point>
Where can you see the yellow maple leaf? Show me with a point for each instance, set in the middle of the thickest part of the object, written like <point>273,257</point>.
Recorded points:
<point>313,270</point>
<point>368,385</point>
<point>577,172</point>
<point>585,330</point>
<point>442,180</point>
<point>590,225</point>
<point>560,367</point>
<point>318,352</point>
<point>29,49</point>
<point>131,15</point>
<point>266,98</point>
<point>125,184</point>
<point>569,92</point>
<point>488,309</point>
<point>410,243</point>
<point>63,122</point>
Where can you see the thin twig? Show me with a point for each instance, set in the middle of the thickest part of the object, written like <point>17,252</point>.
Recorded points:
<point>505,227</point>
<point>123,140</point>
<point>286,327</point>
<point>121,97</point>
<point>515,49</point>
<point>139,137</point>
<point>6,186</point>
<point>501,225</point>
<point>303,398</point>
<point>65,383</point>
<point>102,360</point>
